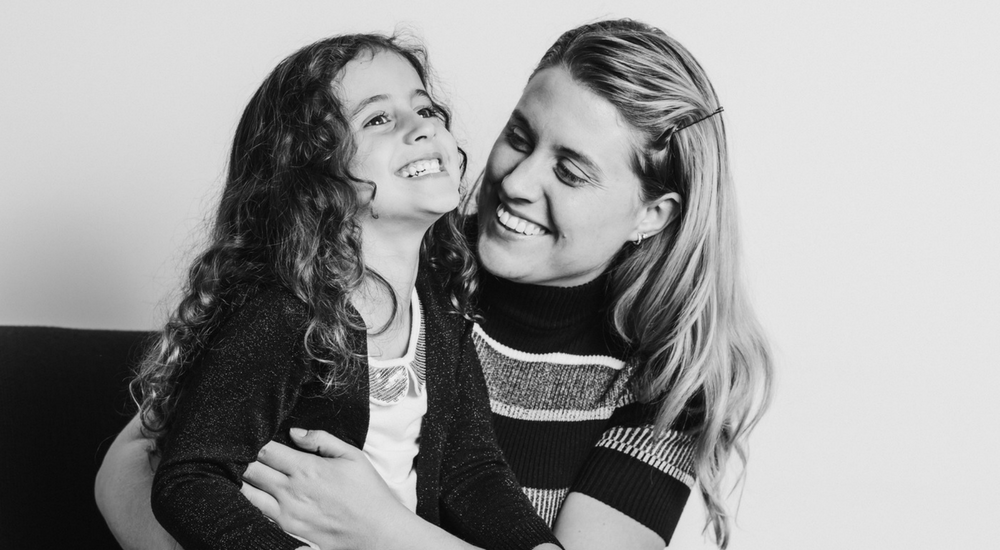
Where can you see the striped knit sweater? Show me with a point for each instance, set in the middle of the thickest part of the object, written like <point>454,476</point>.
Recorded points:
<point>563,411</point>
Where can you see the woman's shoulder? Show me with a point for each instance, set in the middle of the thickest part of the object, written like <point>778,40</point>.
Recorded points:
<point>638,409</point>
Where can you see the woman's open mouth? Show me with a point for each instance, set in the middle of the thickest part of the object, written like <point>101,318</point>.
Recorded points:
<point>518,225</point>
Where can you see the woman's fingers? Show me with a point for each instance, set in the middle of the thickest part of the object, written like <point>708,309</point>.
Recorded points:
<point>281,457</point>
<point>321,443</point>
<point>265,478</point>
<point>262,501</point>
<point>287,460</point>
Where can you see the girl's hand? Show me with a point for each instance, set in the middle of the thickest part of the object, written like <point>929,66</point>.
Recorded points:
<point>336,500</point>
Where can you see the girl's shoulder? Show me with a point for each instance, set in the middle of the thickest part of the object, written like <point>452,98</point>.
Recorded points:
<point>432,285</point>
<point>271,308</point>
<point>436,300</point>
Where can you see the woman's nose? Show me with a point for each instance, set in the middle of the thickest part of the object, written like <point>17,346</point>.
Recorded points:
<point>419,128</point>
<point>524,182</point>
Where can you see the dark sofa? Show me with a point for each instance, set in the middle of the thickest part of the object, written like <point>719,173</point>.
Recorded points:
<point>63,398</point>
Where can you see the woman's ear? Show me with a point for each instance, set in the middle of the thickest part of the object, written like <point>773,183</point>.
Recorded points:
<point>656,215</point>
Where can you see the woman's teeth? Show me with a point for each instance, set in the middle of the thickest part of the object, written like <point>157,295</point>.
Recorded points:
<point>519,225</point>
<point>420,168</point>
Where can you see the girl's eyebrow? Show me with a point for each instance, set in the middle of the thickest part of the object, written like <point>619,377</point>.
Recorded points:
<point>383,97</point>
<point>366,102</point>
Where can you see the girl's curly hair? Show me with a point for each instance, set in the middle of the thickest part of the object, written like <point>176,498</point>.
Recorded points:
<point>288,217</point>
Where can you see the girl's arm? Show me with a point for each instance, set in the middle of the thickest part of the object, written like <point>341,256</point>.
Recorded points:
<point>232,401</point>
<point>122,492</point>
<point>474,472</point>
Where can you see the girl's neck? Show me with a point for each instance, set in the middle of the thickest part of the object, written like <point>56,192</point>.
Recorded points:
<point>394,255</point>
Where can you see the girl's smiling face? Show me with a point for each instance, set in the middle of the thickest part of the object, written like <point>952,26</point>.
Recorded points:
<point>402,142</point>
<point>559,197</point>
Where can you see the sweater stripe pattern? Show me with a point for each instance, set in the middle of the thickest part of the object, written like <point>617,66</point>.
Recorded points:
<point>563,409</point>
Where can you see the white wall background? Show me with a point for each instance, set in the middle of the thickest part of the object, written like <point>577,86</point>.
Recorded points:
<point>865,144</point>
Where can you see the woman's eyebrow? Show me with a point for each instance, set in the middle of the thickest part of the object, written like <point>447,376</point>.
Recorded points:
<point>522,121</point>
<point>587,163</point>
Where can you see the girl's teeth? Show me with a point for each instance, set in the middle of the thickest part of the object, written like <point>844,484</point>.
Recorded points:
<point>420,168</point>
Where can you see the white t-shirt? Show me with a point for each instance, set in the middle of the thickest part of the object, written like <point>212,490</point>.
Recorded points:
<point>398,402</point>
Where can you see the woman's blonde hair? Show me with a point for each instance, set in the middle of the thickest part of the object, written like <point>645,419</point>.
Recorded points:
<point>677,297</point>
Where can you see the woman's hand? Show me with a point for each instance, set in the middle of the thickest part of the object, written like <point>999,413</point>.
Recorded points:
<point>335,500</point>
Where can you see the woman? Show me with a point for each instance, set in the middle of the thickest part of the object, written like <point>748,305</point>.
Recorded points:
<point>624,363</point>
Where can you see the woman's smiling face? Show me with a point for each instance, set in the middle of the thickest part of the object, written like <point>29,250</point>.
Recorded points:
<point>559,197</point>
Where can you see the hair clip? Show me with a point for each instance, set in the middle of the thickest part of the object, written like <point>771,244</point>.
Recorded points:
<point>664,138</point>
<point>706,117</point>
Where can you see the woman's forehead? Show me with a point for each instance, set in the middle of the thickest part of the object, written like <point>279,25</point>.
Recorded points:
<point>562,113</point>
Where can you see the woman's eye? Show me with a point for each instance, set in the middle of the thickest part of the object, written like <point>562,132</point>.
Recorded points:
<point>567,176</point>
<point>516,140</point>
<point>377,120</point>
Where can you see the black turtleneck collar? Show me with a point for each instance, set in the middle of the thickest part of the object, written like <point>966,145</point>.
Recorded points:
<point>545,319</point>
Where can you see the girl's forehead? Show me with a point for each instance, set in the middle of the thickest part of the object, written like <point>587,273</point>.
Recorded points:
<point>377,72</point>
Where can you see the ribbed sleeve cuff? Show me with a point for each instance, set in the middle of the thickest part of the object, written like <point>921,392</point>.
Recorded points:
<point>638,490</point>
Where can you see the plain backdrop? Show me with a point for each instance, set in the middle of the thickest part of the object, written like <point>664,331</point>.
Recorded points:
<point>865,146</point>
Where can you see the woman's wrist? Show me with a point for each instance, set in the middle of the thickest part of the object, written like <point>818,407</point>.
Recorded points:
<point>410,531</point>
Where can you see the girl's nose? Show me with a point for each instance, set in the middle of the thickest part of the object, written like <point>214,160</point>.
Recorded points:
<point>419,128</point>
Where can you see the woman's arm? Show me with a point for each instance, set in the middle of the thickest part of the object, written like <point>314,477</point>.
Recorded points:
<point>336,500</point>
<point>122,493</point>
<point>632,487</point>
<point>585,523</point>
<point>317,498</point>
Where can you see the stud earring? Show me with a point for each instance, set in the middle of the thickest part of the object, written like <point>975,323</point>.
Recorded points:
<point>639,239</point>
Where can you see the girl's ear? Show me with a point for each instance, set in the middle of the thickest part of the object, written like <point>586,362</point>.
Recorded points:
<point>656,215</point>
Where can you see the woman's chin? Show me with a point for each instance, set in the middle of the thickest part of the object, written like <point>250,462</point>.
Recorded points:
<point>499,258</point>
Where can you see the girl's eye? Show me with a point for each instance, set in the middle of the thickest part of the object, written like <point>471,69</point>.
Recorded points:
<point>567,176</point>
<point>377,120</point>
<point>517,141</point>
<point>429,112</point>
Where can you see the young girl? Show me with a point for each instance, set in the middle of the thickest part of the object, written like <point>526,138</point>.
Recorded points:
<point>308,310</point>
